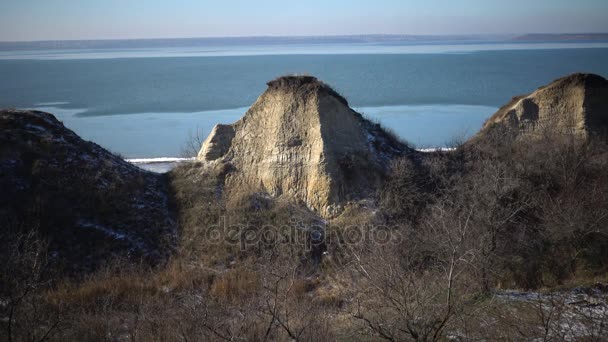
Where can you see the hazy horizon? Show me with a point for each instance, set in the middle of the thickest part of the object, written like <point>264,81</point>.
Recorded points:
<point>35,20</point>
<point>304,36</point>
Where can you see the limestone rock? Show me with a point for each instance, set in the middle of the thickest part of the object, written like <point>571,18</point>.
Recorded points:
<point>217,143</point>
<point>300,139</point>
<point>575,104</point>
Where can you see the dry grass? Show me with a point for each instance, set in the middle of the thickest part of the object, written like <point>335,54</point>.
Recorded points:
<point>500,215</point>
<point>236,285</point>
<point>304,86</point>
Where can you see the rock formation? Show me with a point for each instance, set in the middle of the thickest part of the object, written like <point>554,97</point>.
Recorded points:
<point>87,203</point>
<point>300,139</point>
<point>573,104</point>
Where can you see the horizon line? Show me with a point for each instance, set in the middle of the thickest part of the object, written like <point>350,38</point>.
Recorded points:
<point>396,35</point>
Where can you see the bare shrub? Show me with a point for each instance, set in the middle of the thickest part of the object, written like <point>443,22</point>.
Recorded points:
<point>24,275</point>
<point>405,193</point>
<point>498,212</point>
<point>399,303</point>
<point>193,143</point>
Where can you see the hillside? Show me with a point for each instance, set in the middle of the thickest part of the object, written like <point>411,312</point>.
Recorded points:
<point>89,205</point>
<point>303,221</point>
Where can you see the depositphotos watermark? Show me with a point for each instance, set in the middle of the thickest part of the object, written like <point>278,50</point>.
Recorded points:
<point>306,234</point>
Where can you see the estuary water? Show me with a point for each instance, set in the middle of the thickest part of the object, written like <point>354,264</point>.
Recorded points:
<point>144,103</point>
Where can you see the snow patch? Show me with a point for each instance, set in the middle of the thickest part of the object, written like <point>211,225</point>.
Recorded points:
<point>158,160</point>
<point>36,127</point>
<point>107,231</point>
<point>118,236</point>
<point>578,312</point>
<point>436,149</point>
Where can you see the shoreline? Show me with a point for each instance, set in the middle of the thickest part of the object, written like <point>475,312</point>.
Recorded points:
<point>166,164</point>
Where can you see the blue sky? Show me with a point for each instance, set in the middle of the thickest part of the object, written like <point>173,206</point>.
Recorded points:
<point>111,19</point>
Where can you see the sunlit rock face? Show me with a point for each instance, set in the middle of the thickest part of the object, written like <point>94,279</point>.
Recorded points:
<point>301,140</point>
<point>576,104</point>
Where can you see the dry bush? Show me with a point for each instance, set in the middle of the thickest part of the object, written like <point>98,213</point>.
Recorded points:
<point>199,207</point>
<point>398,304</point>
<point>193,143</point>
<point>570,184</point>
<point>287,301</point>
<point>535,215</point>
<point>406,192</point>
<point>24,274</point>
<point>498,212</point>
<point>304,85</point>
<point>539,203</point>
<point>416,286</point>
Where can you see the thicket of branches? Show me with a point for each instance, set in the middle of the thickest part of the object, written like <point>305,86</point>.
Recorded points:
<point>500,212</point>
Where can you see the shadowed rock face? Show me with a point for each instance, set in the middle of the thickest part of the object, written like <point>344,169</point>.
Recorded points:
<point>573,104</point>
<point>217,143</point>
<point>89,204</point>
<point>301,140</point>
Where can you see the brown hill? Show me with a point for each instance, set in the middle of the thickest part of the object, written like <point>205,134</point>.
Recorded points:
<point>300,139</point>
<point>88,204</point>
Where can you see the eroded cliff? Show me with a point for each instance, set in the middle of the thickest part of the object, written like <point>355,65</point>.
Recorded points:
<point>301,140</point>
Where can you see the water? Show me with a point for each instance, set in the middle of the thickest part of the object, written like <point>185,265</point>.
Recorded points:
<point>149,135</point>
<point>256,49</point>
<point>144,107</point>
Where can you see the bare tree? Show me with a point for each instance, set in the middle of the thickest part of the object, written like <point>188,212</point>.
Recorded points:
<point>193,143</point>
<point>413,290</point>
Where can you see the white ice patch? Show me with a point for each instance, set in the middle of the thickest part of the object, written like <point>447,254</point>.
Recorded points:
<point>51,104</point>
<point>158,160</point>
<point>436,149</point>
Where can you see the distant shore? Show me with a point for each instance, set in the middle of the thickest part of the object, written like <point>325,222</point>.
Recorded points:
<point>283,40</point>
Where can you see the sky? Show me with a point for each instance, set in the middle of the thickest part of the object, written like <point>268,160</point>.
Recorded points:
<point>26,20</point>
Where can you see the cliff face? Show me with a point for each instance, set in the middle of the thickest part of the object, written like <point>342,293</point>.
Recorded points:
<point>88,204</point>
<point>572,104</point>
<point>300,139</point>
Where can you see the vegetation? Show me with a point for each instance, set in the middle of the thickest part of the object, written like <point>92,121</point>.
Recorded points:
<point>429,263</point>
<point>193,144</point>
<point>303,85</point>
<point>86,204</point>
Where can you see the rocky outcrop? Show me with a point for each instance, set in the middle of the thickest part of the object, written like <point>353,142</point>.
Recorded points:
<point>87,203</point>
<point>300,139</point>
<point>573,104</point>
<point>217,143</point>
